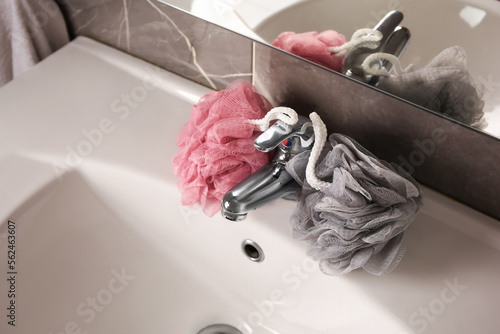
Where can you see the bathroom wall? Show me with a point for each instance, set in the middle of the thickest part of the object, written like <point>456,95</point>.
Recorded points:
<point>440,153</point>
<point>162,35</point>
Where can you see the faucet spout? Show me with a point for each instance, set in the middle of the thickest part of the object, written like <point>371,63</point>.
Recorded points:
<point>267,184</point>
<point>271,181</point>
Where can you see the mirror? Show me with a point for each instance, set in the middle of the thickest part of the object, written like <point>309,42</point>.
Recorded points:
<point>434,26</point>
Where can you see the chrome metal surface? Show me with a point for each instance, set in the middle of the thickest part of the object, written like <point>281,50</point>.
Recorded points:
<point>220,329</point>
<point>252,250</point>
<point>394,41</point>
<point>279,132</point>
<point>271,181</point>
<point>266,185</point>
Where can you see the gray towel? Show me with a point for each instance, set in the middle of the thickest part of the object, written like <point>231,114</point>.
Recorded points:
<point>29,32</point>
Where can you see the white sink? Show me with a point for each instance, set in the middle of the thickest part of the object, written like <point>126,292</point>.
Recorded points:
<point>435,26</point>
<point>107,248</point>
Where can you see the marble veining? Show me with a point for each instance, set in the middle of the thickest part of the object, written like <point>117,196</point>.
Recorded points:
<point>127,24</point>
<point>190,46</point>
<point>165,36</point>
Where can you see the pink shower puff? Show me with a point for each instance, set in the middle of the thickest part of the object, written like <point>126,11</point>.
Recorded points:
<point>313,46</point>
<point>217,150</point>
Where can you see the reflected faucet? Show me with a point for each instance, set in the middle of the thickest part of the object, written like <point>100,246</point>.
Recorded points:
<point>395,40</point>
<point>271,181</point>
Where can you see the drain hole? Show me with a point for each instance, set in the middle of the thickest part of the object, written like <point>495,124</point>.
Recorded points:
<point>252,250</point>
<point>219,329</point>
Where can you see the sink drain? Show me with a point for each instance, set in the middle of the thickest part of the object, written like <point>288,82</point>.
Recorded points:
<point>252,250</point>
<point>220,329</point>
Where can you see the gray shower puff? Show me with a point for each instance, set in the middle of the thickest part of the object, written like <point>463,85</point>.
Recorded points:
<point>444,85</point>
<point>359,220</point>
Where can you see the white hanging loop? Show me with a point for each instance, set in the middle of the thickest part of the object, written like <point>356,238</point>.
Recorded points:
<point>376,58</point>
<point>320,134</point>
<point>284,114</point>
<point>368,38</point>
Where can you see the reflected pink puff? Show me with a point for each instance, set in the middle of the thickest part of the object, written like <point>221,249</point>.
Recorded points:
<point>217,150</point>
<point>313,46</point>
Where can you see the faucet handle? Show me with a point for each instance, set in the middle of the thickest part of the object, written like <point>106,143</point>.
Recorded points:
<point>279,132</point>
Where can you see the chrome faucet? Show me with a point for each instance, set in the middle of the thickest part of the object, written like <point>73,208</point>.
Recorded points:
<point>271,181</point>
<point>395,40</point>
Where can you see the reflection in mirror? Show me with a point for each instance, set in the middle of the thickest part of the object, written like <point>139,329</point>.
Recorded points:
<point>435,27</point>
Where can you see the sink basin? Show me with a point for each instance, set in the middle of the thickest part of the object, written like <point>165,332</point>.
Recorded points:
<point>434,26</point>
<point>104,246</point>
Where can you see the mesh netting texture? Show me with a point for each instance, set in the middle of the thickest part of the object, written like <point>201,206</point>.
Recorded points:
<point>217,145</point>
<point>313,46</point>
<point>359,220</point>
<point>443,85</point>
